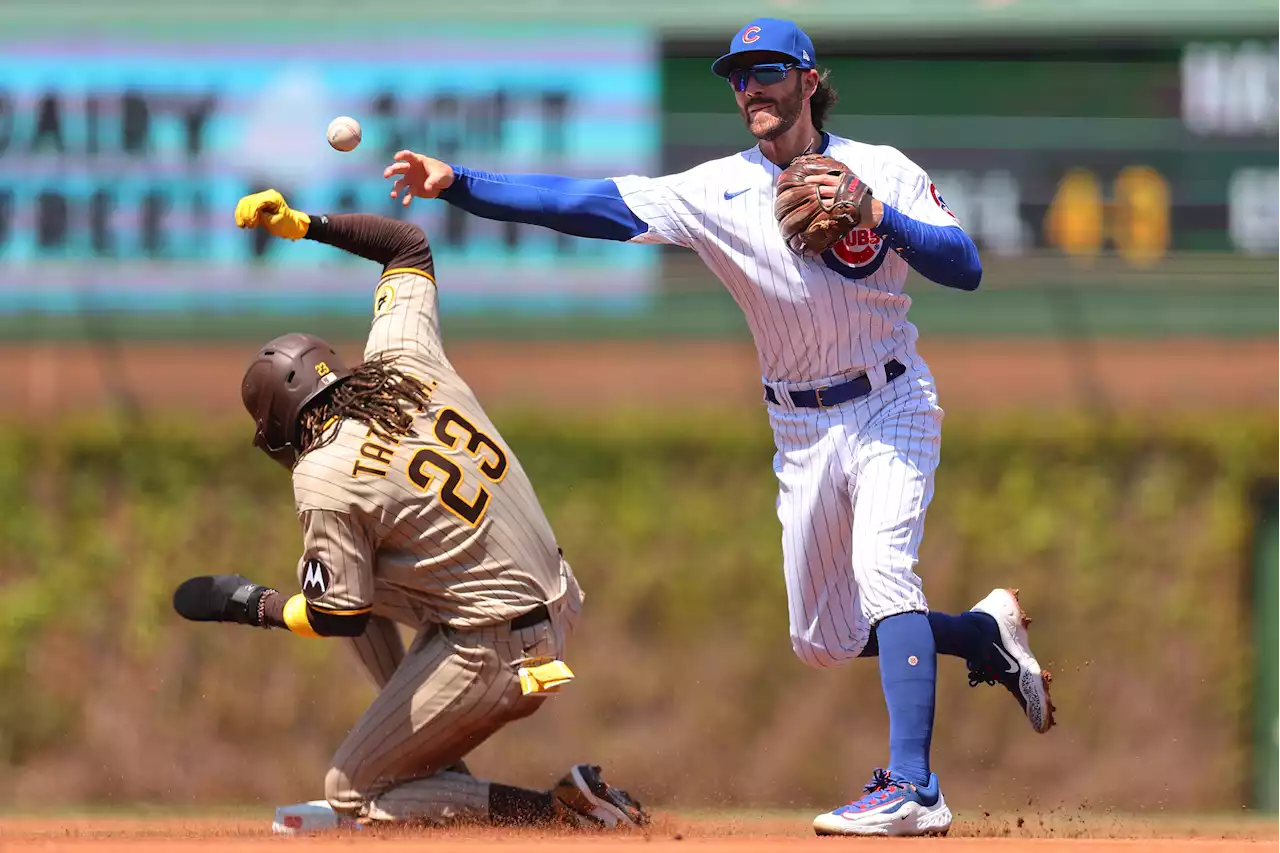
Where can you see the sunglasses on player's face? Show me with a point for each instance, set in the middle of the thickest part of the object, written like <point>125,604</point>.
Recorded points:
<point>766,74</point>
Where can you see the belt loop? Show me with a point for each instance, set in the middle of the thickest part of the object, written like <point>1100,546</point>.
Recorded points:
<point>876,375</point>
<point>782,398</point>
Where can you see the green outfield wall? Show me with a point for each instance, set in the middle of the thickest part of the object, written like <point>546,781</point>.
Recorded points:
<point>908,17</point>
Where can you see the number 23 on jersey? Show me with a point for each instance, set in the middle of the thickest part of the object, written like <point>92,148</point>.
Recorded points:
<point>451,429</point>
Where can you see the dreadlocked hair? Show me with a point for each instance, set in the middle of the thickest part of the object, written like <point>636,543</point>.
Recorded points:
<point>375,394</point>
<point>822,100</point>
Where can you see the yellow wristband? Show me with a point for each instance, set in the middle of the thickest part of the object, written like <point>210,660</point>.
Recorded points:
<point>295,616</point>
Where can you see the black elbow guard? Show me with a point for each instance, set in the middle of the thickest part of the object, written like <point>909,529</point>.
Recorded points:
<point>329,624</point>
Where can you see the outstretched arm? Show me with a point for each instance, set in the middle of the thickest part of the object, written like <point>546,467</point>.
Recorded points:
<point>394,244</point>
<point>335,577</point>
<point>581,207</point>
<point>235,598</point>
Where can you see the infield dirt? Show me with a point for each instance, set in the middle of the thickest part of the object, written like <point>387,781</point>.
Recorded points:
<point>1149,376</point>
<point>1085,833</point>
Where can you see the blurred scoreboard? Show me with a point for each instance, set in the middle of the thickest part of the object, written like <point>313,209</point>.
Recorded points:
<point>121,162</point>
<point>1087,147</point>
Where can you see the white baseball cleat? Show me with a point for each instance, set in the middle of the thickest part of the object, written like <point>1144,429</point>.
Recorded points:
<point>892,807</point>
<point>1009,661</point>
<point>586,800</point>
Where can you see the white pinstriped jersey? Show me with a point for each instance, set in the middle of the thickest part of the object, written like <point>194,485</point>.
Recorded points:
<point>812,318</point>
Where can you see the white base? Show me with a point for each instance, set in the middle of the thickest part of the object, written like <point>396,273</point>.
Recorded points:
<point>313,816</point>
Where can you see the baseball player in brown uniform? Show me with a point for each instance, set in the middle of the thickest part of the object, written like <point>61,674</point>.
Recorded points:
<point>414,512</point>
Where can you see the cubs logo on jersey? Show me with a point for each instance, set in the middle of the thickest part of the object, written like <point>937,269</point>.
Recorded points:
<point>858,255</point>
<point>938,200</point>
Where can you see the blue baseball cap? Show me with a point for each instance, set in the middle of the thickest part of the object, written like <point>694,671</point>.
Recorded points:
<point>773,35</point>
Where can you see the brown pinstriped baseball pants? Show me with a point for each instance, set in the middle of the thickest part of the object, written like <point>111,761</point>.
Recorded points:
<point>451,692</point>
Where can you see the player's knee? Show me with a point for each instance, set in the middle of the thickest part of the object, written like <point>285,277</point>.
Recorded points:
<point>343,796</point>
<point>820,656</point>
<point>438,799</point>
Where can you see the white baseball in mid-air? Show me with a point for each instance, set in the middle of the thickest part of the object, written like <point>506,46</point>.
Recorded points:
<point>344,133</point>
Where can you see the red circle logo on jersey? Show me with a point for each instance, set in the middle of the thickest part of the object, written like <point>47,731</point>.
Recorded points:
<point>858,248</point>
<point>751,34</point>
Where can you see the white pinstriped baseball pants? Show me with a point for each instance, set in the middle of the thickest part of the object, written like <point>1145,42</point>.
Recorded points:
<point>854,482</point>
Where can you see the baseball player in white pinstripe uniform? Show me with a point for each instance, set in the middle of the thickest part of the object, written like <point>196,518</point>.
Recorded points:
<point>414,512</point>
<point>853,407</point>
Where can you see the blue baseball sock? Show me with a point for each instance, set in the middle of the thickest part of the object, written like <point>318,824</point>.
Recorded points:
<point>964,635</point>
<point>908,674</point>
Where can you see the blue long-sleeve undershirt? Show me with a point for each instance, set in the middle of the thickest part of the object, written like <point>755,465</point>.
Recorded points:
<point>594,208</point>
<point>577,206</point>
<point>944,254</point>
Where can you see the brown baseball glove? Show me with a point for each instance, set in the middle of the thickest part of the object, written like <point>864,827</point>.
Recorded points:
<point>811,224</point>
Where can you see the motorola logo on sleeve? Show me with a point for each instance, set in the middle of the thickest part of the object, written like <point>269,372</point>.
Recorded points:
<point>315,579</point>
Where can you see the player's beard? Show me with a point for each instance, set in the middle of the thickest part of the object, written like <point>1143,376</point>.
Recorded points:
<point>768,125</point>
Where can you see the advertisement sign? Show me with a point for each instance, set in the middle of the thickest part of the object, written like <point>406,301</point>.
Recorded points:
<point>121,163</point>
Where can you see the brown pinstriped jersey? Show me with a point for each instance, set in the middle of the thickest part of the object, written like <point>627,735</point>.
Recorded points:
<point>439,526</point>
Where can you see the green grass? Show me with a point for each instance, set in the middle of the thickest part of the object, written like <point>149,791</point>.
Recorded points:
<point>671,527</point>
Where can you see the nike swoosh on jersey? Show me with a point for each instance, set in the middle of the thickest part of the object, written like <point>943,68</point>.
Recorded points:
<point>728,195</point>
<point>1013,666</point>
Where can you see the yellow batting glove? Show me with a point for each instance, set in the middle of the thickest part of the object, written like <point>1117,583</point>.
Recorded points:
<point>269,210</point>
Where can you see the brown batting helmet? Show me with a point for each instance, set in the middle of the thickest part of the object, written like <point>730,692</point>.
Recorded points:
<point>286,376</point>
